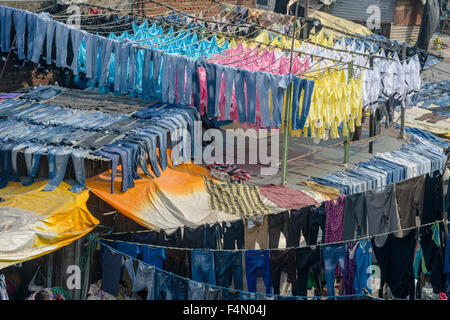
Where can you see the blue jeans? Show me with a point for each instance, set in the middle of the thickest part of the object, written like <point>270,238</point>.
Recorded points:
<point>92,45</point>
<point>78,157</point>
<point>150,142</point>
<point>181,73</point>
<point>297,90</point>
<point>228,267</point>
<point>278,86</point>
<point>153,256</point>
<point>146,85</point>
<point>169,287</point>
<point>255,259</point>
<point>5,158</point>
<point>6,23</point>
<point>39,35</point>
<point>51,25</point>
<point>31,25</point>
<point>59,162</point>
<point>114,163</point>
<point>156,67</point>
<point>168,78</point>
<point>61,38</point>
<point>124,56</point>
<point>250,81</point>
<point>131,69</point>
<point>126,171</point>
<point>32,159</point>
<point>196,291</point>
<point>333,254</point>
<point>240,95</point>
<point>20,22</point>
<point>145,278</point>
<point>263,85</point>
<point>363,262</point>
<point>202,266</point>
<point>162,138</point>
<point>76,37</point>
<point>14,159</point>
<point>105,56</point>
<point>230,74</point>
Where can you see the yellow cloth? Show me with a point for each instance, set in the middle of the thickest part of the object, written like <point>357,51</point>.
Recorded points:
<point>329,192</point>
<point>35,222</point>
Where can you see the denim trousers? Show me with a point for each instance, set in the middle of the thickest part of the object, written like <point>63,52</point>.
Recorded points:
<point>146,86</point>
<point>78,157</point>
<point>229,267</point>
<point>156,68</point>
<point>42,22</point>
<point>51,25</point>
<point>190,67</point>
<point>333,254</point>
<point>6,23</point>
<point>250,82</point>
<point>58,159</point>
<point>125,169</point>
<point>240,95</point>
<point>31,26</point>
<point>123,62</point>
<point>230,74</point>
<point>5,159</point>
<point>255,259</point>
<point>263,85</point>
<point>278,86</point>
<point>131,69</point>
<point>106,46</point>
<point>32,159</point>
<point>117,52</point>
<point>92,45</point>
<point>20,22</point>
<point>76,37</point>
<point>61,40</point>
<point>153,256</point>
<point>202,266</point>
<point>150,143</point>
<point>181,76</point>
<point>168,78</point>
<point>114,163</point>
<point>169,287</point>
<point>196,290</point>
<point>14,152</point>
<point>145,278</point>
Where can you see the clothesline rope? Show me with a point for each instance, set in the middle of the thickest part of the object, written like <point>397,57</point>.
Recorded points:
<point>230,289</point>
<point>287,248</point>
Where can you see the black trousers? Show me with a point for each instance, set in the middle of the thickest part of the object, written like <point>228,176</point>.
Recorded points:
<point>308,259</point>
<point>280,259</point>
<point>233,234</point>
<point>278,223</point>
<point>298,225</point>
<point>193,237</point>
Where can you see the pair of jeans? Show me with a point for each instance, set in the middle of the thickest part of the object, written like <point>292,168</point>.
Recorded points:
<point>153,256</point>
<point>333,254</point>
<point>42,21</point>
<point>51,26</point>
<point>128,248</point>
<point>177,262</point>
<point>202,266</point>
<point>14,152</point>
<point>146,84</point>
<point>211,74</point>
<point>239,90</point>
<point>278,223</point>
<point>32,158</point>
<point>193,237</point>
<point>196,290</point>
<point>355,216</point>
<point>169,287</point>
<point>5,159</point>
<point>156,67</point>
<point>20,22</point>
<point>6,14</point>
<point>134,147</point>
<point>255,259</point>
<point>230,74</point>
<point>228,267</point>
<point>31,27</point>
<point>162,139</point>
<point>168,78</point>
<point>278,86</point>
<point>114,163</point>
<point>317,219</point>
<point>150,144</point>
<point>78,157</point>
<point>61,40</point>
<point>92,46</point>
<point>307,259</point>
<point>58,159</point>
<point>125,48</point>
<point>213,236</point>
<point>286,259</point>
<point>256,230</point>
<point>106,46</point>
<point>131,84</point>
<point>124,153</point>
<point>263,86</point>
<point>141,156</point>
<point>145,278</point>
<point>233,234</point>
<point>298,225</point>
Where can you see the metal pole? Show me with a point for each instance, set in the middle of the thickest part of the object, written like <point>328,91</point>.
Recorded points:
<point>287,109</point>
<point>305,29</point>
<point>347,138</point>
<point>402,121</point>
<point>372,119</point>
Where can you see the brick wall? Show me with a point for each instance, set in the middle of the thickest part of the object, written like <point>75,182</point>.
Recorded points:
<point>14,78</point>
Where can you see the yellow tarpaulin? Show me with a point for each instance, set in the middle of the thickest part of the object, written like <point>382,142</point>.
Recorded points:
<point>337,23</point>
<point>35,222</point>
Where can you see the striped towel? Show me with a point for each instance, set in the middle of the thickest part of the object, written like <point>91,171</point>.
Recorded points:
<point>237,199</point>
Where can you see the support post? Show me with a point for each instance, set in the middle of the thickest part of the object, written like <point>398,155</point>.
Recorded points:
<point>402,117</point>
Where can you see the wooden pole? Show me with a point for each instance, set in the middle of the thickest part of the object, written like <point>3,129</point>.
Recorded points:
<point>347,138</point>
<point>402,121</point>
<point>372,119</point>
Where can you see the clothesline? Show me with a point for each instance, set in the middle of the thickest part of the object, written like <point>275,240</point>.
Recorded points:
<point>225,288</point>
<point>282,249</point>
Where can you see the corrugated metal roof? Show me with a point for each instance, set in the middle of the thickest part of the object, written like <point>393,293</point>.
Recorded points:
<point>356,10</point>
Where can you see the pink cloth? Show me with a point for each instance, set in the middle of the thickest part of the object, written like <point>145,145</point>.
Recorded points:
<point>252,60</point>
<point>285,197</point>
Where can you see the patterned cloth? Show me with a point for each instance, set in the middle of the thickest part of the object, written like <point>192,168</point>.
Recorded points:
<point>55,293</point>
<point>334,223</point>
<point>238,199</point>
<point>236,174</point>
<point>3,293</point>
